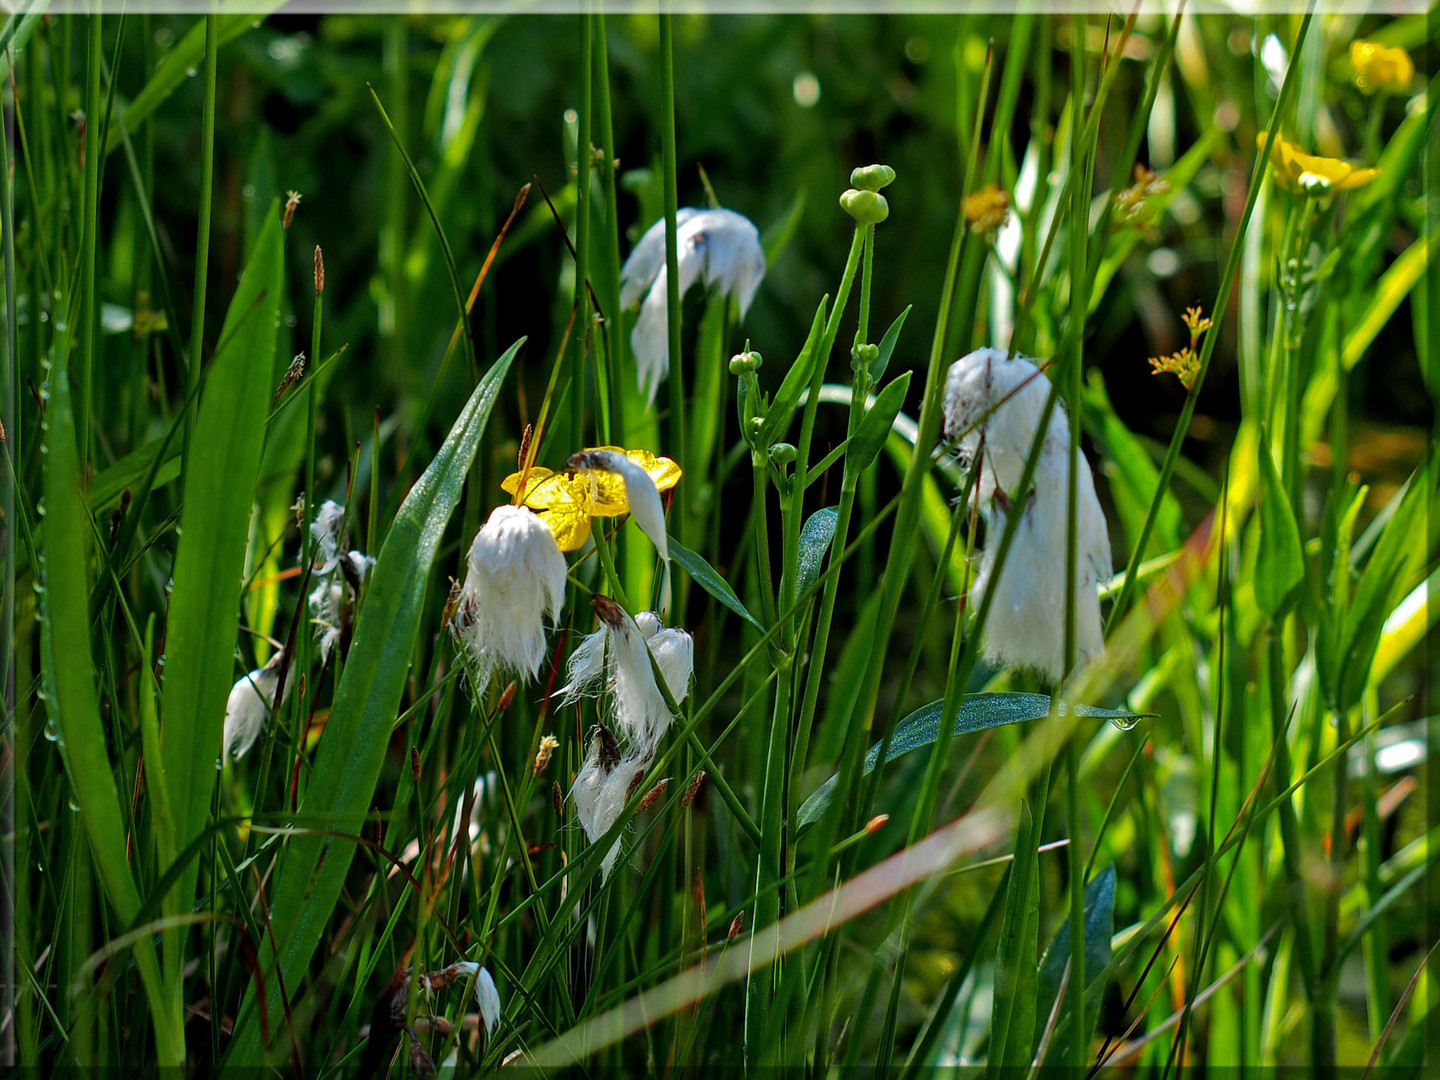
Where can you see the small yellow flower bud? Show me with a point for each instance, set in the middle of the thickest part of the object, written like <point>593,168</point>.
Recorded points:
<point>866,207</point>
<point>1380,69</point>
<point>872,177</point>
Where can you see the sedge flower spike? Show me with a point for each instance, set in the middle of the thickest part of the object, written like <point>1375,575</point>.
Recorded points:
<point>514,581</point>
<point>719,246</point>
<point>993,404</point>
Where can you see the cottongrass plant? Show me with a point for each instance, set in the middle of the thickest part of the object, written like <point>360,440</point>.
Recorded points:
<point>821,834</point>
<point>719,247</point>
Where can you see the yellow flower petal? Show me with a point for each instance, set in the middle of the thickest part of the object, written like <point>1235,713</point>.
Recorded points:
<point>1378,68</point>
<point>569,523</point>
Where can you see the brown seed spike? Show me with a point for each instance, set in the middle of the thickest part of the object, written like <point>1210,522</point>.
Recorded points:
<point>558,799</point>
<point>415,764</point>
<point>634,785</point>
<point>507,695</point>
<point>736,926</point>
<point>876,823</point>
<point>319,271</point>
<point>653,795</point>
<point>693,790</point>
<point>611,613</point>
<point>609,749</point>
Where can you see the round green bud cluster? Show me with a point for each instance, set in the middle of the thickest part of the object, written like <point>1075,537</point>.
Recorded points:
<point>744,362</point>
<point>783,453</point>
<point>872,177</point>
<point>866,207</point>
<point>865,355</point>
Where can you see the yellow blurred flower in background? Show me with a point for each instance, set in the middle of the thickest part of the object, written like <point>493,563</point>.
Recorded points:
<point>1309,174</point>
<point>1381,69</point>
<point>567,501</point>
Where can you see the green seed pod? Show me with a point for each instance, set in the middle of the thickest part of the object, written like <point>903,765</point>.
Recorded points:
<point>872,177</point>
<point>782,453</point>
<point>740,363</point>
<point>866,207</point>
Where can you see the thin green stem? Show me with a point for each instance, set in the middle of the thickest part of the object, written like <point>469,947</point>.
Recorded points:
<point>202,238</point>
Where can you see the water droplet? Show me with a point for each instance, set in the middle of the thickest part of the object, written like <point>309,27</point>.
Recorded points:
<point>192,72</point>
<point>1125,723</point>
<point>74,806</point>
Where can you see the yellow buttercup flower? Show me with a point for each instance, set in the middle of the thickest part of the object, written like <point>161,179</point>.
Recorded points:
<point>1380,69</point>
<point>567,501</point>
<point>1309,174</point>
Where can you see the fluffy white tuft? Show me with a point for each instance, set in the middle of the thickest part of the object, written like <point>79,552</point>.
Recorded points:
<point>514,581</point>
<point>599,794</point>
<point>993,405</point>
<point>488,998</point>
<point>249,704</point>
<point>720,246</point>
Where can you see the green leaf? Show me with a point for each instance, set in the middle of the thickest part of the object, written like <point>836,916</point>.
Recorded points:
<point>887,347</point>
<point>776,237</point>
<point>176,65</point>
<point>1401,546</point>
<point>352,750</point>
<point>796,381</point>
<point>815,537</point>
<point>875,426</point>
<point>72,706</point>
<point>1013,1012</point>
<point>204,612</point>
<point>1279,564</point>
<point>977,712</point>
<point>709,579</point>
<point>1099,927</point>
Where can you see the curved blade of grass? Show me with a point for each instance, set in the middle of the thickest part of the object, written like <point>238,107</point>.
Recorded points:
<point>1099,926</point>
<point>174,68</point>
<point>72,707</point>
<point>352,751</point>
<point>204,611</point>
<point>977,713</point>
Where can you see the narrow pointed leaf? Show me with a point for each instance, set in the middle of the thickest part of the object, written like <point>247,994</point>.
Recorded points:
<point>352,750</point>
<point>1099,927</point>
<point>709,579</point>
<point>887,347</point>
<point>1280,564</point>
<point>815,537</point>
<point>977,712</point>
<point>874,429</point>
<point>797,379</point>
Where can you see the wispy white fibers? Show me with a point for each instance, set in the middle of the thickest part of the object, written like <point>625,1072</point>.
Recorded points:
<point>601,789</point>
<point>249,705</point>
<point>721,246</point>
<point>585,671</point>
<point>336,571</point>
<point>641,715</point>
<point>514,581</point>
<point>488,999</point>
<point>993,404</point>
<point>618,757</point>
<point>643,497</point>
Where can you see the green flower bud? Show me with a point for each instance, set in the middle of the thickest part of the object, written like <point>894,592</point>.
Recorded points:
<point>866,207</point>
<point>740,363</point>
<point>864,356</point>
<point>782,453</point>
<point>872,177</point>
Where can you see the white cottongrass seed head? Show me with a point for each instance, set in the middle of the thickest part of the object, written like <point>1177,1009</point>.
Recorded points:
<point>514,581</point>
<point>249,705</point>
<point>601,789</point>
<point>993,404</point>
<point>640,712</point>
<point>585,670</point>
<point>488,999</point>
<point>720,246</point>
<point>326,531</point>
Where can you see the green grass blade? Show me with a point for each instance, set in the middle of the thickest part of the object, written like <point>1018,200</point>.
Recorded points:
<point>71,700</point>
<point>351,754</point>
